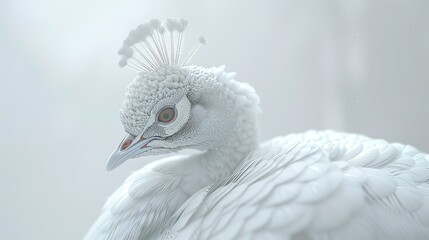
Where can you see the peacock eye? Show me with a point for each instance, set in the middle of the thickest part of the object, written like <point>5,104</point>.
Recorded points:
<point>167,115</point>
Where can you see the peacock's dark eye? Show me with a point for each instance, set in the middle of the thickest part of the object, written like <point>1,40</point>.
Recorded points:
<point>166,115</point>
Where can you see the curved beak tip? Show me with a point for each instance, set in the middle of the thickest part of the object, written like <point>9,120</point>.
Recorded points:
<point>121,154</point>
<point>114,161</point>
<point>109,167</point>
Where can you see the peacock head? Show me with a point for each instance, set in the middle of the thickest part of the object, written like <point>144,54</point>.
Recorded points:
<point>170,106</point>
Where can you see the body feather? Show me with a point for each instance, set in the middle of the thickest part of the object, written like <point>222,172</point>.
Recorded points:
<point>316,185</point>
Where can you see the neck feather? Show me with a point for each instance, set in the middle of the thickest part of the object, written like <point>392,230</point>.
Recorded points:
<point>221,160</point>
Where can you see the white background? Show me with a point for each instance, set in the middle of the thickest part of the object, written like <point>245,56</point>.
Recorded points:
<point>356,66</point>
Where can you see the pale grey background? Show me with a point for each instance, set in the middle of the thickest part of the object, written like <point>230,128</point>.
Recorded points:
<point>358,66</point>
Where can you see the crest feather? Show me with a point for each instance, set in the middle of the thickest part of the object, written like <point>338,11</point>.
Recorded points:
<point>145,48</point>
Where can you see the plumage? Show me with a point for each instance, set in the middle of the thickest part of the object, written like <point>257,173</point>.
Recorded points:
<point>314,185</point>
<point>332,199</point>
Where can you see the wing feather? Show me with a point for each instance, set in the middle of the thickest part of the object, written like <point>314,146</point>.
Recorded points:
<point>145,198</point>
<point>315,185</point>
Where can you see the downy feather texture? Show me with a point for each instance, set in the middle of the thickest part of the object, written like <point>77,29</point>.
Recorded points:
<point>316,185</point>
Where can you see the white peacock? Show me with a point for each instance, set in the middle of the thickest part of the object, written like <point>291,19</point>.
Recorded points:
<point>313,185</point>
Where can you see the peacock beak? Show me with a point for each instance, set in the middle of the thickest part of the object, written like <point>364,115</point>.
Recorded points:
<point>130,147</point>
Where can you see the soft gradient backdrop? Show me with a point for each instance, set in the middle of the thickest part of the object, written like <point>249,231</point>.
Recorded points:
<point>356,66</point>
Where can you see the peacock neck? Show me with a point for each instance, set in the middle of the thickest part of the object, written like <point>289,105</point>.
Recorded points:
<point>241,104</point>
<point>219,163</point>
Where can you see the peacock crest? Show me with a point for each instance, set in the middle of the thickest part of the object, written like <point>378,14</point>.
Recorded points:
<point>154,44</point>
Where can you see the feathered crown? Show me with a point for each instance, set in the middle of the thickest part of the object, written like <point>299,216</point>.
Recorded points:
<point>148,40</point>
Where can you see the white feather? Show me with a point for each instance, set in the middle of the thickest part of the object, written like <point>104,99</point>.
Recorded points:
<point>315,202</point>
<point>313,186</point>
